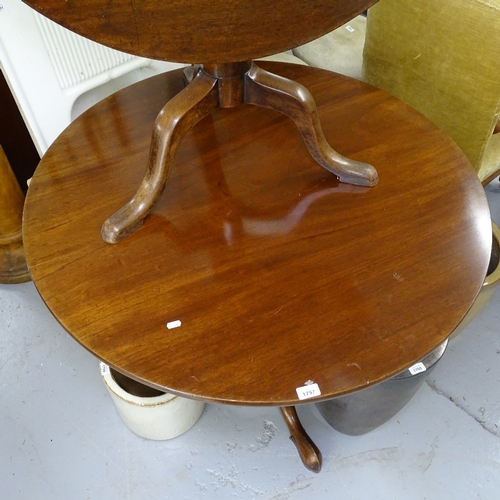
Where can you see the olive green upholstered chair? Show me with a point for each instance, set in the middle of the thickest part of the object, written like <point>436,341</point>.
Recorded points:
<point>443,58</point>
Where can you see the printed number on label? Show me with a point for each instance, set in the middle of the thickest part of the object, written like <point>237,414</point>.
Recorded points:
<point>308,391</point>
<point>417,368</point>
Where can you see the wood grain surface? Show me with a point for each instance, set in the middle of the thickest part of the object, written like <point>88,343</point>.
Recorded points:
<point>279,274</point>
<point>201,31</point>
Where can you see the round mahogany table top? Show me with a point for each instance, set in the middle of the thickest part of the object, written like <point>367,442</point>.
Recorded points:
<point>278,274</point>
<point>201,31</point>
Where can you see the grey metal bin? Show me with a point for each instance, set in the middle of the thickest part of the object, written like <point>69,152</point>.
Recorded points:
<point>364,410</point>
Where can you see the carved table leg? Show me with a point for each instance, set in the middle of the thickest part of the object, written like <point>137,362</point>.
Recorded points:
<point>294,100</point>
<point>176,118</point>
<point>308,451</point>
<point>227,85</point>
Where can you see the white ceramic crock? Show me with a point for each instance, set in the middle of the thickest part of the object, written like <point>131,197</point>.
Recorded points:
<point>159,417</point>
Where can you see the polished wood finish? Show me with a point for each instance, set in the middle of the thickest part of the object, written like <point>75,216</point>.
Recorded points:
<point>225,37</point>
<point>228,85</point>
<point>13,268</point>
<point>201,31</point>
<point>282,94</point>
<point>308,451</point>
<point>176,118</point>
<point>279,274</point>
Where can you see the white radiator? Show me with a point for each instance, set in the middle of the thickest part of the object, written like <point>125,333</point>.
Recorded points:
<point>55,74</point>
<point>74,58</point>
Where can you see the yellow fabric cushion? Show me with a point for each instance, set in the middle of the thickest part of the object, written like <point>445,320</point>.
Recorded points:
<point>444,59</point>
<point>490,162</point>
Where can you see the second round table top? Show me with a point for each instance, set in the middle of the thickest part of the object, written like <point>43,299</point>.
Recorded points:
<point>201,31</point>
<point>257,272</point>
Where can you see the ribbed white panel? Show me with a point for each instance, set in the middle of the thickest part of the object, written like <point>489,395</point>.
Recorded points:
<point>74,58</point>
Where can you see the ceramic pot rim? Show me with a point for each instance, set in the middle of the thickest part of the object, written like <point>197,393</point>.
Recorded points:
<point>118,391</point>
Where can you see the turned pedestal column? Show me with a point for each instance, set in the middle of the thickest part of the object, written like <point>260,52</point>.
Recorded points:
<point>13,268</point>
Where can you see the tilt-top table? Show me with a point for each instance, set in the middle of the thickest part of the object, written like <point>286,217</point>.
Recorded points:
<point>223,37</point>
<point>257,274</point>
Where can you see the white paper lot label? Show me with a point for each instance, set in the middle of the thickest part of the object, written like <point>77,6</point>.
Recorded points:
<point>308,391</point>
<point>174,324</point>
<point>417,368</point>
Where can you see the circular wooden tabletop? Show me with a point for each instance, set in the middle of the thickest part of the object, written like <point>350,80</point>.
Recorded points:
<point>277,274</point>
<point>201,31</point>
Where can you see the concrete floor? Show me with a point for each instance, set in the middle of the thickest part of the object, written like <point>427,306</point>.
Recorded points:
<point>61,437</point>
